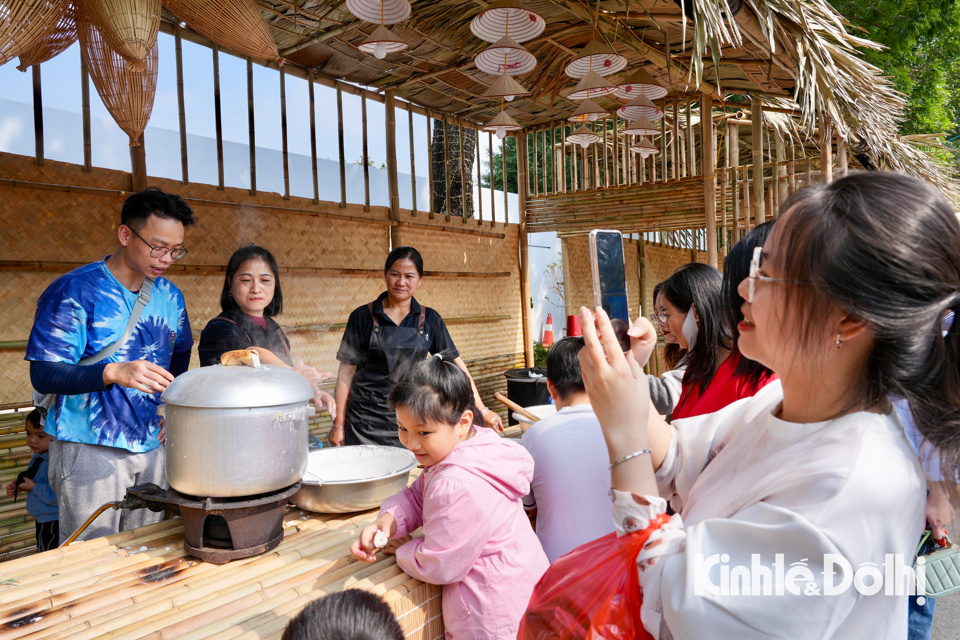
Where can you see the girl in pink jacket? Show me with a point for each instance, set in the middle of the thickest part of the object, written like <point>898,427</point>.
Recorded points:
<point>477,541</point>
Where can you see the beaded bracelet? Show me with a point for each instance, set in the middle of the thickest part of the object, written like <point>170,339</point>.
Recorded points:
<point>630,456</point>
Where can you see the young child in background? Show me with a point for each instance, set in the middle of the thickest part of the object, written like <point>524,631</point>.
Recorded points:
<point>41,500</point>
<point>345,615</point>
<point>476,541</point>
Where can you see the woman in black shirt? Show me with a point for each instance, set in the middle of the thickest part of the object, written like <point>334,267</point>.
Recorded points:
<point>381,339</point>
<point>250,298</point>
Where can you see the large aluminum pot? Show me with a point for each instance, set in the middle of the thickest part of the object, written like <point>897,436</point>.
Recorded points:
<point>346,479</point>
<point>237,430</point>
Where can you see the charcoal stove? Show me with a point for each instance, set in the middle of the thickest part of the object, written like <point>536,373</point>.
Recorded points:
<point>219,530</point>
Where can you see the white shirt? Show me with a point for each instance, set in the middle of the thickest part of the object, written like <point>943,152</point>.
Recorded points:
<point>571,481</point>
<point>754,484</point>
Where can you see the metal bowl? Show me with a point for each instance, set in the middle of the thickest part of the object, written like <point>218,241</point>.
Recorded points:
<point>346,479</point>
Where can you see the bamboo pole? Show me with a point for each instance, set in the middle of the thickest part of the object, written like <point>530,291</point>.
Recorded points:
<point>759,214</point>
<point>841,156</point>
<point>603,141</point>
<point>37,116</point>
<point>733,161</point>
<point>185,174</point>
<point>544,159</point>
<point>574,173</point>
<point>393,181</point>
<point>595,153</point>
<point>709,159</point>
<point>85,110</point>
<point>747,201</point>
<point>826,150</point>
<point>313,139</point>
<point>138,164</point>
<point>691,140</point>
<point>524,249</point>
<point>663,145</point>
<point>564,187</point>
<point>446,166</point>
<point>782,187</point>
<point>413,165</point>
<point>675,154</point>
<point>503,176</point>
<point>366,155</point>
<point>342,156</point>
<point>463,174</point>
<point>479,204</point>
<point>493,200</point>
<point>218,119</point>
<point>430,180</point>
<point>252,130</point>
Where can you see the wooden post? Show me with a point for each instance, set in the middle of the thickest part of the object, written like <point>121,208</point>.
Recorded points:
<point>841,156</point>
<point>251,123</point>
<point>463,173</point>
<point>413,164</point>
<point>708,171</point>
<point>313,138</point>
<point>791,171</point>
<point>759,214</point>
<point>393,180</point>
<point>596,161</point>
<point>343,166</point>
<point>430,180</point>
<point>616,154</point>
<point>524,248</point>
<point>218,120</point>
<point>85,108</point>
<point>37,116</point>
<point>366,156</point>
<point>603,150</point>
<point>826,150</point>
<point>138,165</point>
<point>493,200</point>
<point>747,201</point>
<point>184,173</point>
<point>574,173</point>
<point>446,166</point>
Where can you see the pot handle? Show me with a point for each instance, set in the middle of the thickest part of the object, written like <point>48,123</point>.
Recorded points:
<point>311,411</point>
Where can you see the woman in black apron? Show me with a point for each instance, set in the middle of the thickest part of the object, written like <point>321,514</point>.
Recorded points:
<point>251,296</point>
<point>380,340</point>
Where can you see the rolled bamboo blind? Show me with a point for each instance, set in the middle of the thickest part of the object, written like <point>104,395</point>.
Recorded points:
<point>127,90</point>
<point>236,25</point>
<point>61,33</point>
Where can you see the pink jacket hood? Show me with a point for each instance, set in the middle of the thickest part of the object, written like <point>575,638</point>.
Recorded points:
<point>504,463</point>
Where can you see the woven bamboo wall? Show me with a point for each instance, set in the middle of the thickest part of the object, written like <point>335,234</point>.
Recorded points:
<point>47,229</point>
<point>647,207</point>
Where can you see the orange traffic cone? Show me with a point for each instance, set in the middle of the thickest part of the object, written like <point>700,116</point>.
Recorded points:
<point>548,331</point>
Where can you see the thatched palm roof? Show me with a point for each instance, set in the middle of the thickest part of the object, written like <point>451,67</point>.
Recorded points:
<point>789,53</point>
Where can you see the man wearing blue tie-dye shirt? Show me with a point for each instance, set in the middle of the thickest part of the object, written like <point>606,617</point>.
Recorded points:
<point>108,433</point>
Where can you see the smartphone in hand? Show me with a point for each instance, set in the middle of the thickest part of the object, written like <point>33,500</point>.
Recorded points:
<point>610,281</point>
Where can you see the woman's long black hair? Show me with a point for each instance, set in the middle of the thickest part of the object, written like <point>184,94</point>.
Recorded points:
<point>700,284</point>
<point>885,248</point>
<point>251,252</point>
<point>736,267</point>
<point>672,352</point>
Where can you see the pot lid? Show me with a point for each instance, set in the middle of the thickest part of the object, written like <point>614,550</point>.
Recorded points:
<point>222,387</point>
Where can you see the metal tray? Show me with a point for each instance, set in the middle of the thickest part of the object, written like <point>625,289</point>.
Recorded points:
<point>347,479</point>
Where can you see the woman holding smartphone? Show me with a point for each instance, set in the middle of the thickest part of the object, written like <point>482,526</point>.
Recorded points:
<point>846,302</point>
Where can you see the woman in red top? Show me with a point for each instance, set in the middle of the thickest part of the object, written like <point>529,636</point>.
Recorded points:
<point>693,311</point>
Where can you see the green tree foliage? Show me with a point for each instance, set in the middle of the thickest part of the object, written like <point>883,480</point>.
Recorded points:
<point>922,56</point>
<point>509,147</point>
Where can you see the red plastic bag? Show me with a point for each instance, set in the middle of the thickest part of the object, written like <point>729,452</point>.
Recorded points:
<point>592,593</point>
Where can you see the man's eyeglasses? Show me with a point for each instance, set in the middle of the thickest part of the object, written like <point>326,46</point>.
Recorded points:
<point>158,252</point>
<point>755,275</point>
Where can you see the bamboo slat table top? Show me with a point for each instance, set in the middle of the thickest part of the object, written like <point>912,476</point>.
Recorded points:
<point>141,584</point>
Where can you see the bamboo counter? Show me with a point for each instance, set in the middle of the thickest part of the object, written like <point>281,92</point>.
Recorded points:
<point>141,584</point>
